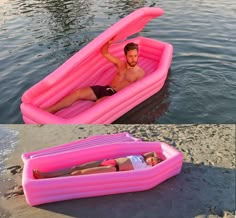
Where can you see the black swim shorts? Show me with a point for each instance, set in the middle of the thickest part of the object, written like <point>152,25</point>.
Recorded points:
<point>101,91</point>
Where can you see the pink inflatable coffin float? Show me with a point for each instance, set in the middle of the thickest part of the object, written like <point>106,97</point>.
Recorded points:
<point>88,67</point>
<point>40,191</point>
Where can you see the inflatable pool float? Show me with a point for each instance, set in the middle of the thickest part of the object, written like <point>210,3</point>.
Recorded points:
<point>88,67</point>
<point>40,191</point>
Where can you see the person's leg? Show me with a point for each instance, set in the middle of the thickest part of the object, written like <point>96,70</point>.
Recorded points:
<point>88,165</point>
<point>94,170</point>
<point>83,93</point>
<point>41,175</point>
<point>65,172</point>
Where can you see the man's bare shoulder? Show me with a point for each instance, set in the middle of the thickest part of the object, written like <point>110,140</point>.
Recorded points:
<point>140,72</point>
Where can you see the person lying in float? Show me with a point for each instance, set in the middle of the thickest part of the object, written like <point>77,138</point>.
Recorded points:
<point>127,72</point>
<point>131,162</point>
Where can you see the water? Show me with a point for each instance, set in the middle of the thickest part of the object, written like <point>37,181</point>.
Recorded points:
<point>8,140</point>
<point>38,36</point>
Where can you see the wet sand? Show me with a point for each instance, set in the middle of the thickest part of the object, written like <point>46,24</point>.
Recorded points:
<point>204,188</point>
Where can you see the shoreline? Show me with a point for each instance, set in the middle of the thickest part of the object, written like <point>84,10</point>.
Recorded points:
<point>205,187</point>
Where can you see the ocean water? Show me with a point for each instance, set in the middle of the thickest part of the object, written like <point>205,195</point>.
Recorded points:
<point>38,36</point>
<point>8,140</point>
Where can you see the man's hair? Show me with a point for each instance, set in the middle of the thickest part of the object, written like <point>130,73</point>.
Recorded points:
<point>130,46</point>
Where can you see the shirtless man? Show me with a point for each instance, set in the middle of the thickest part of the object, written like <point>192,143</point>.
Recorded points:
<point>127,73</point>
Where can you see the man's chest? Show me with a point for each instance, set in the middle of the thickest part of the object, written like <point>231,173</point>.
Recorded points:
<point>130,76</point>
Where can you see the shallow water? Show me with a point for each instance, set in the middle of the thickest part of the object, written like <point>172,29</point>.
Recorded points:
<point>8,140</point>
<point>38,36</point>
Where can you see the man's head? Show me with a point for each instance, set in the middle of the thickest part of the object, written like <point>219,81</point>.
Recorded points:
<point>152,161</point>
<point>131,54</point>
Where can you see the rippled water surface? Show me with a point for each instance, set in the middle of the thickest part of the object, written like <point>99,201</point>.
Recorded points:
<point>37,36</point>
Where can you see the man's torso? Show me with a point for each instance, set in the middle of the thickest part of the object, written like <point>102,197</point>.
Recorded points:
<point>126,77</point>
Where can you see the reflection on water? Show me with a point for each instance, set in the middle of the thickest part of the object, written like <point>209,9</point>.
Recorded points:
<point>38,36</point>
<point>151,109</point>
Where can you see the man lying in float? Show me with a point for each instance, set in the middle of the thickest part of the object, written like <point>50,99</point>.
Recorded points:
<point>127,73</point>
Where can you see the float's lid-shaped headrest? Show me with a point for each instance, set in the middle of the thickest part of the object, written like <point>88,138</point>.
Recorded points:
<point>133,23</point>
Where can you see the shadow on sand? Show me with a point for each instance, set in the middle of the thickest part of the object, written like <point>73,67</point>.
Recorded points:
<point>198,190</point>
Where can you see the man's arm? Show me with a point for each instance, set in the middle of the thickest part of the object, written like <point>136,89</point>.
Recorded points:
<point>105,52</point>
<point>150,154</point>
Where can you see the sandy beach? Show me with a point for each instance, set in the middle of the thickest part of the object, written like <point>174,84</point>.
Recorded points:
<point>204,188</point>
